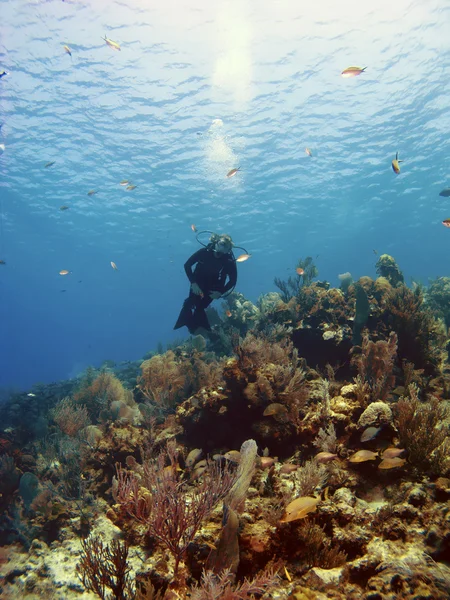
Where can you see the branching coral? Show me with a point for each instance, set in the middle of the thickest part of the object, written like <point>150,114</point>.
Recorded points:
<point>69,417</point>
<point>166,378</point>
<point>420,336</point>
<point>375,364</point>
<point>273,373</point>
<point>292,287</point>
<point>216,587</point>
<point>423,431</point>
<point>438,298</point>
<point>163,380</point>
<point>104,568</point>
<point>171,512</point>
<point>100,393</point>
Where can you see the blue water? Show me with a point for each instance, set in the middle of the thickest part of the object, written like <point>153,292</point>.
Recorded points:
<point>198,88</point>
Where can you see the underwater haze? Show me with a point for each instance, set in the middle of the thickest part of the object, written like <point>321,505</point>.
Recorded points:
<point>199,88</point>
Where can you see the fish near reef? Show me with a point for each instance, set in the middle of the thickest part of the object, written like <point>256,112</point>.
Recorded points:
<point>363,456</point>
<point>299,508</point>
<point>288,468</point>
<point>233,456</point>
<point>396,164</point>
<point>325,457</point>
<point>276,409</point>
<point>265,462</point>
<point>392,453</point>
<point>392,463</point>
<point>370,433</point>
<point>193,457</point>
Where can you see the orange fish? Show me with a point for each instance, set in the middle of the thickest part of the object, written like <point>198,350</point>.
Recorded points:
<point>194,228</point>
<point>352,71</point>
<point>446,222</point>
<point>64,272</point>
<point>228,313</point>
<point>300,271</point>
<point>114,266</point>
<point>233,172</point>
<point>308,151</point>
<point>243,257</point>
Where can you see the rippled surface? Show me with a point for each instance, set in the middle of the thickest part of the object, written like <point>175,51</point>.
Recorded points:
<point>197,89</point>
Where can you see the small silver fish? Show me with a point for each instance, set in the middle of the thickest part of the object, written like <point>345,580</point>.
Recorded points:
<point>193,457</point>
<point>370,433</point>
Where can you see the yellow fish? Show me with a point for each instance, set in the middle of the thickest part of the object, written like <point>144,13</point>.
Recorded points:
<point>395,164</point>
<point>392,463</point>
<point>64,207</point>
<point>299,508</point>
<point>91,192</point>
<point>114,266</point>
<point>308,151</point>
<point>68,50</point>
<point>64,272</point>
<point>352,71</point>
<point>131,187</point>
<point>49,164</point>
<point>111,44</point>
<point>124,182</point>
<point>243,257</point>
<point>362,456</point>
<point>233,172</point>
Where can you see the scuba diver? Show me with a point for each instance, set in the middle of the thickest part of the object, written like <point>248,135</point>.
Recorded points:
<point>214,275</point>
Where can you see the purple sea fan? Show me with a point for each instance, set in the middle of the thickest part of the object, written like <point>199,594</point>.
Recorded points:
<point>172,511</point>
<point>221,587</point>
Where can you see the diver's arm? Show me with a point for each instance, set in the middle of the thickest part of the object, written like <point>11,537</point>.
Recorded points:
<point>191,262</point>
<point>232,277</point>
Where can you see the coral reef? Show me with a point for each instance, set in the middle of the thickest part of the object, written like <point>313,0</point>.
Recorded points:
<point>298,450</point>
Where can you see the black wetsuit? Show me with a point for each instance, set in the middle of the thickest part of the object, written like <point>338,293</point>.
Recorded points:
<point>210,274</point>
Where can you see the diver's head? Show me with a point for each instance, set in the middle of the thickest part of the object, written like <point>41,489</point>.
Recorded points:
<point>222,244</point>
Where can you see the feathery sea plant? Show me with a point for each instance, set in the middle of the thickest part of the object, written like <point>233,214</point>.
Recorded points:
<point>423,431</point>
<point>104,568</point>
<point>171,511</point>
<point>292,287</point>
<point>375,364</point>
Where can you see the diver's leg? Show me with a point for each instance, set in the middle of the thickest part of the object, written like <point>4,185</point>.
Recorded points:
<point>199,318</point>
<point>185,316</point>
